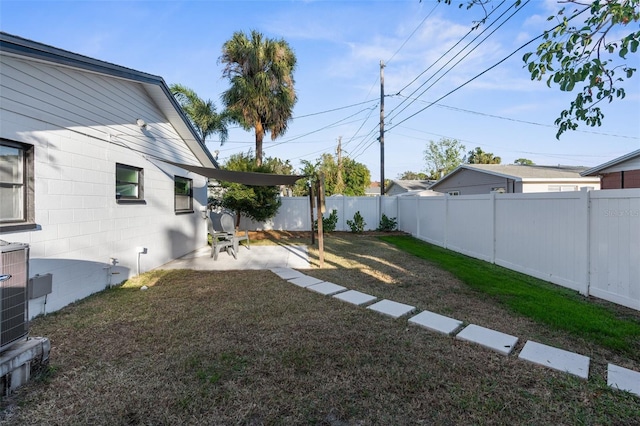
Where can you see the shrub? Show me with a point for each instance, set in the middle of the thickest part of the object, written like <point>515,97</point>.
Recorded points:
<point>357,224</point>
<point>387,224</point>
<point>328,223</point>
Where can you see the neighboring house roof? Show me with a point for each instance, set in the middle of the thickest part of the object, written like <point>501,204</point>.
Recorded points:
<point>521,173</point>
<point>595,171</point>
<point>154,85</point>
<point>373,189</point>
<point>410,185</point>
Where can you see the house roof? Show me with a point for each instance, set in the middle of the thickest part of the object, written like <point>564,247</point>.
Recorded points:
<point>411,185</point>
<point>522,173</point>
<point>372,189</point>
<point>154,85</point>
<point>597,169</point>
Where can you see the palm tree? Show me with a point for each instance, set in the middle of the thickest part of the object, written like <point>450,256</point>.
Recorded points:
<point>202,113</point>
<point>261,96</point>
<point>478,156</point>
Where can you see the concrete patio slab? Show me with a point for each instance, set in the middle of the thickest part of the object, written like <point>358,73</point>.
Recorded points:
<point>258,257</point>
<point>557,359</point>
<point>436,322</point>
<point>623,379</point>
<point>491,339</point>
<point>391,308</point>
<point>287,273</point>
<point>305,281</point>
<point>355,297</point>
<point>326,288</point>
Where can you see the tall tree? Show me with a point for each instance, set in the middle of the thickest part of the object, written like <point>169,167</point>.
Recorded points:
<point>478,156</point>
<point>262,94</point>
<point>524,162</point>
<point>356,177</point>
<point>408,175</point>
<point>590,55</point>
<point>256,202</point>
<point>201,113</point>
<point>443,156</point>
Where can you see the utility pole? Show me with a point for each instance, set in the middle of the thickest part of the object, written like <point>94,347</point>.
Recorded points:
<point>339,181</point>
<point>381,128</point>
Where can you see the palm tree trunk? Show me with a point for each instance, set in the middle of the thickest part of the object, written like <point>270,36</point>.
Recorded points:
<point>259,137</point>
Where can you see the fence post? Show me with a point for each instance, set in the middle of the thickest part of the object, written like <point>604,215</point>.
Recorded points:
<point>417,217</point>
<point>446,221</point>
<point>492,200</point>
<point>586,203</point>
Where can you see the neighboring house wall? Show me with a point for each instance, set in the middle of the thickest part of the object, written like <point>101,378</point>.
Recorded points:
<point>465,181</point>
<point>619,173</point>
<point>623,179</point>
<point>471,182</point>
<point>559,185</point>
<point>79,126</point>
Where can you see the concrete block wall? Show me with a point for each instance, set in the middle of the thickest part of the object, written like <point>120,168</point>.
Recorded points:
<point>80,226</point>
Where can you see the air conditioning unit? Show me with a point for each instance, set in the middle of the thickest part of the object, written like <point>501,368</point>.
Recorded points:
<point>14,305</point>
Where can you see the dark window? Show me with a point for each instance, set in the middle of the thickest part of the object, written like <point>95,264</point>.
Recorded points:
<point>183,199</point>
<point>16,186</point>
<point>129,184</point>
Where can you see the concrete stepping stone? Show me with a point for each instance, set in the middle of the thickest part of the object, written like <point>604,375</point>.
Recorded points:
<point>623,379</point>
<point>557,359</point>
<point>436,322</point>
<point>391,308</point>
<point>326,288</point>
<point>355,297</point>
<point>305,281</point>
<point>287,273</point>
<point>495,340</point>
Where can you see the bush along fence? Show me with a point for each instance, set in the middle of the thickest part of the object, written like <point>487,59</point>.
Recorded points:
<point>588,241</point>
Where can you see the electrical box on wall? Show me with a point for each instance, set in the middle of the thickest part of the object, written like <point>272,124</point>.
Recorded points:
<point>40,285</point>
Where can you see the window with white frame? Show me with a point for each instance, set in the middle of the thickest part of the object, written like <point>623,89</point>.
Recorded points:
<point>562,188</point>
<point>183,195</point>
<point>453,192</point>
<point>129,184</point>
<point>16,186</point>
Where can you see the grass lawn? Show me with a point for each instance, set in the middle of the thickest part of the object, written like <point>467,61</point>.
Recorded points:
<point>245,347</point>
<point>546,303</point>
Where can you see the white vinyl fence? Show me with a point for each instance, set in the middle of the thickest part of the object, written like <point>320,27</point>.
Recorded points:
<point>294,214</point>
<point>588,241</point>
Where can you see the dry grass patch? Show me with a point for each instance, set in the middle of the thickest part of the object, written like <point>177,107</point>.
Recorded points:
<point>245,347</point>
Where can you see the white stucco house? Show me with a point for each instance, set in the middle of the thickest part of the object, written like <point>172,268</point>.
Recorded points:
<point>82,180</point>
<point>472,179</point>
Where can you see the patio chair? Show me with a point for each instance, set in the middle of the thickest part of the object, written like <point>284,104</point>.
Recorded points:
<point>226,222</point>
<point>220,241</point>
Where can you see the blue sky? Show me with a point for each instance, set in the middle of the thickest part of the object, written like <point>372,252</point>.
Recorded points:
<point>339,46</point>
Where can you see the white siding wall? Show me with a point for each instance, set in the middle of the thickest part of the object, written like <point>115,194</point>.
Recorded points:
<point>66,115</point>
<point>530,187</point>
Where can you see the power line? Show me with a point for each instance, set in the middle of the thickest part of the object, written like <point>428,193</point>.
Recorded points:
<point>463,57</point>
<point>483,72</point>
<point>445,54</point>
<point>515,120</point>
<point>334,109</point>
